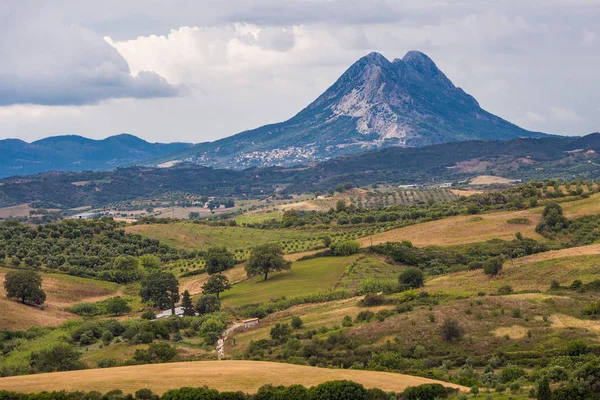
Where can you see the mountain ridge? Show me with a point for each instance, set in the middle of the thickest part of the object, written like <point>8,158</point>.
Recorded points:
<point>77,153</point>
<point>375,103</point>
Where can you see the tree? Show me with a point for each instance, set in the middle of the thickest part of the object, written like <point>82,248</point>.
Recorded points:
<point>208,303</point>
<point>26,286</point>
<point>216,284</point>
<point>117,306</point>
<point>162,288</point>
<point>543,389</point>
<point>126,269</point>
<point>450,330</point>
<point>326,240</point>
<point>493,266</point>
<point>150,262</point>
<point>281,332</point>
<point>412,277</point>
<point>61,357</point>
<point>336,390</point>
<point>297,322</point>
<point>340,205</point>
<point>187,305</point>
<point>265,259</point>
<point>218,259</point>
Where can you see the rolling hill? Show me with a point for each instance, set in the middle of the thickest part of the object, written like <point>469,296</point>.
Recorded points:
<point>76,153</point>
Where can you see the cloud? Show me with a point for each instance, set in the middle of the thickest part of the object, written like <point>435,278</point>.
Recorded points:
<point>47,62</point>
<point>535,117</point>
<point>564,114</point>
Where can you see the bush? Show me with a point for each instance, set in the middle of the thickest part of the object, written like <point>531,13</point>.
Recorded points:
<point>61,357</point>
<point>208,303</point>
<point>504,290</point>
<point>371,300</point>
<point>511,373</point>
<point>297,322</point>
<point>425,392</point>
<point>577,348</point>
<point>412,278</point>
<point>374,285</point>
<point>149,315</point>
<point>338,390</point>
<point>554,284</point>
<point>493,266</point>
<point>281,332</point>
<point>346,248</point>
<point>450,330</point>
<point>156,353</point>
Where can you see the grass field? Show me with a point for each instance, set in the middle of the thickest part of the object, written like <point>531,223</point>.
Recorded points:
<point>526,274</point>
<point>461,230</point>
<point>191,236</point>
<point>246,376</point>
<point>305,277</point>
<point>258,217</point>
<point>62,291</point>
<point>478,228</point>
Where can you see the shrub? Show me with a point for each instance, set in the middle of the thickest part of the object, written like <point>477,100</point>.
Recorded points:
<point>297,322</point>
<point>412,278</point>
<point>450,330</point>
<point>61,357</point>
<point>504,290</point>
<point>149,314</point>
<point>577,347</point>
<point>493,266</point>
<point>346,248</point>
<point>554,285</point>
<point>425,392</point>
<point>577,284</point>
<point>208,303</point>
<point>511,373</point>
<point>337,390</point>
<point>281,332</point>
<point>371,300</point>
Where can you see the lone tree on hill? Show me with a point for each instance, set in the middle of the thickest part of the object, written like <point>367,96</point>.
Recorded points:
<point>412,277</point>
<point>218,259</point>
<point>26,286</point>
<point>265,259</point>
<point>216,284</point>
<point>493,266</point>
<point>162,288</point>
<point>187,305</point>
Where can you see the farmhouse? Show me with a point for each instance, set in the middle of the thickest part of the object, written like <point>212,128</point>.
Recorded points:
<point>250,322</point>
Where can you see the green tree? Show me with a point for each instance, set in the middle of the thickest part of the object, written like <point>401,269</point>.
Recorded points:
<point>543,389</point>
<point>297,322</point>
<point>493,266</point>
<point>340,205</point>
<point>162,288</point>
<point>218,259</point>
<point>281,332</point>
<point>187,305</point>
<point>265,259</point>
<point>216,284</point>
<point>117,306</point>
<point>338,390</point>
<point>412,277</point>
<point>26,286</point>
<point>126,269</point>
<point>61,357</point>
<point>208,303</point>
<point>150,262</point>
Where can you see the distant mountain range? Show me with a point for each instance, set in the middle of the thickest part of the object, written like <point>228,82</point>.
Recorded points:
<point>551,157</point>
<point>376,103</point>
<point>76,153</point>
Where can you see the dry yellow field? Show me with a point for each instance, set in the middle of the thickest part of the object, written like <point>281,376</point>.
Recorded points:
<point>489,180</point>
<point>15,211</point>
<point>61,291</point>
<point>246,376</point>
<point>462,229</point>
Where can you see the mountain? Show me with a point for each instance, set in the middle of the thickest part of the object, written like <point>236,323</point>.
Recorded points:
<point>76,153</point>
<point>376,103</point>
<point>522,158</point>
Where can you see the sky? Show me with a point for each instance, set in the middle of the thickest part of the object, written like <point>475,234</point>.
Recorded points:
<point>200,70</point>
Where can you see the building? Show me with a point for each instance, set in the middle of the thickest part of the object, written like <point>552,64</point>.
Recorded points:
<point>248,323</point>
<point>84,216</point>
<point>168,313</point>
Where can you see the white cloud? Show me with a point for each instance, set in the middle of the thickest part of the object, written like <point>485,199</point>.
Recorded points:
<point>535,117</point>
<point>47,62</point>
<point>564,114</point>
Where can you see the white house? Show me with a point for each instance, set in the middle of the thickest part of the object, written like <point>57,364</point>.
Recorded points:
<point>250,322</point>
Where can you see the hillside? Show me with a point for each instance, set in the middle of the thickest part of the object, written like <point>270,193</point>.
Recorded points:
<point>376,103</point>
<point>525,159</point>
<point>76,153</point>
